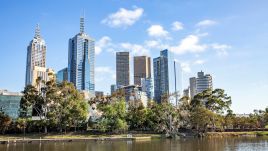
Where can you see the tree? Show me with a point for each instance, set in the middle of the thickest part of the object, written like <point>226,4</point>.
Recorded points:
<point>163,117</point>
<point>213,104</point>
<point>137,116</point>
<point>5,122</point>
<point>67,108</point>
<point>113,116</point>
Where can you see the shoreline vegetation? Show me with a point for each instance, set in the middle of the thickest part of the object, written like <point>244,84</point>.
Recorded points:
<point>71,137</point>
<point>62,113</point>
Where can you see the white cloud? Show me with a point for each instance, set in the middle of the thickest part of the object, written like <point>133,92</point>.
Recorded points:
<point>104,42</point>
<point>104,72</point>
<point>177,26</point>
<point>205,23</point>
<point>135,48</point>
<point>104,69</point>
<point>189,44</point>
<point>199,62</point>
<point>123,17</point>
<point>157,31</point>
<point>221,49</point>
<point>185,67</point>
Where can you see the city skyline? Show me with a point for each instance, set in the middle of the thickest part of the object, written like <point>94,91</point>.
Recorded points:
<point>228,47</point>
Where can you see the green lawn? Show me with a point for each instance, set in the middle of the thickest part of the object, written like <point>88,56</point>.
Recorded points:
<point>70,135</point>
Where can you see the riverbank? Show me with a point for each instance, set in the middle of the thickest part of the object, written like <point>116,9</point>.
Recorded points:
<point>31,138</point>
<point>237,134</point>
<point>70,137</point>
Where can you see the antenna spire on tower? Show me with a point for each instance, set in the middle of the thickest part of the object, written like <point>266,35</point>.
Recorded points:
<point>37,31</point>
<point>82,23</point>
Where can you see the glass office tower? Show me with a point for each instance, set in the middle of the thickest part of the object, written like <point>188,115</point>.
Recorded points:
<point>166,76</point>
<point>81,60</point>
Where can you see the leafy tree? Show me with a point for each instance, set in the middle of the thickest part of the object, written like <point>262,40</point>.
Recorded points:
<point>163,117</point>
<point>113,116</point>
<point>5,122</point>
<point>137,117</point>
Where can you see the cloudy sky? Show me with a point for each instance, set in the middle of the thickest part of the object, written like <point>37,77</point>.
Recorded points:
<point>227,39</point>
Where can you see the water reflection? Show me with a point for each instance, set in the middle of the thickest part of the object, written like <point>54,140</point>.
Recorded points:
<point>207,144</point>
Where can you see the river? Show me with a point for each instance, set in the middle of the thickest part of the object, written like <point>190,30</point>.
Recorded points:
<point>195,144</point>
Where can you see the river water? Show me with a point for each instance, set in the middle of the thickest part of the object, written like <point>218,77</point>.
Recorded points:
<point>195,144</point>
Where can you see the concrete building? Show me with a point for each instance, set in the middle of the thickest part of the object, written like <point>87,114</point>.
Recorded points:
<point>36,55</point>
<point>99,94</point>
<point>166,76</point>
<point>186,92</point>
<point>62,75</point>
<point>203,82</point>
<point>147,87</point>
<point>113,88</point>
<point>81,60</point>
<point>10,103</point>
<point>192,87</point>
<point>134,93</point>
<point>122,69</point>
<point>41,75</point>
<point>142,68</point>
<point>200,83</point>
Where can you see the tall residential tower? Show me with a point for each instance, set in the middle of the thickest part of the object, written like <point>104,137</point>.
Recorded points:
<point>81,60</point>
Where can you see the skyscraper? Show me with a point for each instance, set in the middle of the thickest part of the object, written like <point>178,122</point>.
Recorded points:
<point>62,75</point>
<point>203,82</point>
<point>192,81</point>
<point>200,84</point>
<point>36,55</point>
<point>147,86</point>
<point>142,68</point>
<point>166,74</point>
<point>122,69</point>
<point>81,60</point>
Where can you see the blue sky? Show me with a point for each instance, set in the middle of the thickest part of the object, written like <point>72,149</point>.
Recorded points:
<point>227,39</point>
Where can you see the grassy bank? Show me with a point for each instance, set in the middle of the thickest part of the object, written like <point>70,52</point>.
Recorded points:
<point>73,136</point>
<point>236,134</point>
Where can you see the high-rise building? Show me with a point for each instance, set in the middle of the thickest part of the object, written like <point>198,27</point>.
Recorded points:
<point>203,82</point>
<point>192,81</point>
<point>36,55</point>
<point>166,72</point>
<point>200,84</point>
<point>113,88</point>
<point>62,75</point>
<point>122,69</point>
<point>147,86</point>
<point>142,68</point>
<point>81,60</point>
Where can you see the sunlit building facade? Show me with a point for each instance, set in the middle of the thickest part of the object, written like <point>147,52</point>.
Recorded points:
<point>36,55</point>
<point>81,60</point>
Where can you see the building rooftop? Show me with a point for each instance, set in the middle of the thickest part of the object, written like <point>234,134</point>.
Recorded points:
<point>6,92</point>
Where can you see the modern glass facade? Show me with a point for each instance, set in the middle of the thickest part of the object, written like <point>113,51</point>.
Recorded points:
<point>62,75</point>
<point>81,60</point>
<point>10,103</point>
<point>147,86</point>
<point>166,73</point>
